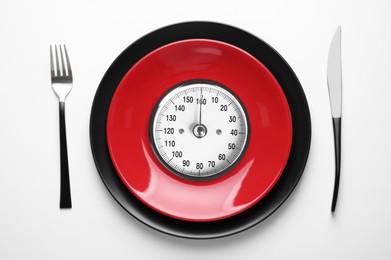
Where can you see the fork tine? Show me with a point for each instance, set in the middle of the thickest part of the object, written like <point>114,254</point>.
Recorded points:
<point>57,63</point>
<point>51,62</point>
<point>64,73</point>
<point>68,62</point>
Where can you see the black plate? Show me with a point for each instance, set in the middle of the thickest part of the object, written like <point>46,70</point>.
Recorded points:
<point>282,72</point>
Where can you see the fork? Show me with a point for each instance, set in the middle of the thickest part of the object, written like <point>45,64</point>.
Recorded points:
<point>61,76</point>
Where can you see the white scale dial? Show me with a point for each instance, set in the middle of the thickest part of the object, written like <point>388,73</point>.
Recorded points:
<point>199,130</point>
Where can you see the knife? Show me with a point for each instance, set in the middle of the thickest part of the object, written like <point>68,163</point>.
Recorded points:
<point>334,82</point>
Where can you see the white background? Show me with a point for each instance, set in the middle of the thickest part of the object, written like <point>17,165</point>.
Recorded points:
<point>96,32</point>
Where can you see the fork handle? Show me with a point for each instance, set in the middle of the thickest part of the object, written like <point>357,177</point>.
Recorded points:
<point>65,193</point>
<point>337,146</point>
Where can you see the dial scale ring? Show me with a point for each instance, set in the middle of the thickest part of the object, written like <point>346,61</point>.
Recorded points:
<point>199,129</point>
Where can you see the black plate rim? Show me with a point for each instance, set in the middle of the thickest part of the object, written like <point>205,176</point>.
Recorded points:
<point>256,47</point>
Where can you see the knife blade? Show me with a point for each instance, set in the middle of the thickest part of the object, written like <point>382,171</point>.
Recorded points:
<point>334,82</point>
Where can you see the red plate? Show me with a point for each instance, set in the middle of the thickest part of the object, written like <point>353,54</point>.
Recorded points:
<point>191,200</point>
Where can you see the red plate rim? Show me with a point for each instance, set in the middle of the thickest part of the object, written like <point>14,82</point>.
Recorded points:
<point>138,166</point>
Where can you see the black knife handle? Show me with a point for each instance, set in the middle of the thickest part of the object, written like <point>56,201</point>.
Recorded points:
<point>65,193</point>
<point>337,146</point>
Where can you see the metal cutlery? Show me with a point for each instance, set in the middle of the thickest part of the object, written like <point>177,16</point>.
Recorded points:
<point>61,76</point>
<point>334,81</point>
